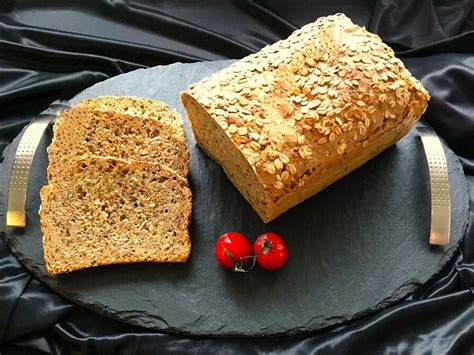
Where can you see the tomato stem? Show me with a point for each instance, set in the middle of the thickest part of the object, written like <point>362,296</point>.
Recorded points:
<point>254,258</point>
<point>239,262</point>
<point>267,245</point>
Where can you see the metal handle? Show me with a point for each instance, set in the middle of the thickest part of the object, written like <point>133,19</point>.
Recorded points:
<point>19,178</point>
<point>440,190</point>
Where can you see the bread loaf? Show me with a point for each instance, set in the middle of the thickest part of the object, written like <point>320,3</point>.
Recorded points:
<point>105,211</point>
<point>87,130</point>
<point>293,118</point>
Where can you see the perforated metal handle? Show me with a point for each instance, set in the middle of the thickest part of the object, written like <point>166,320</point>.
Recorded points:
<point>18,189</point>
<point>440,190</point>
<point>20,175</point>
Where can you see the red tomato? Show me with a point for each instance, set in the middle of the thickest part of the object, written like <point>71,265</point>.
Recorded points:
<point>270,251</point>
<point>233,250</point>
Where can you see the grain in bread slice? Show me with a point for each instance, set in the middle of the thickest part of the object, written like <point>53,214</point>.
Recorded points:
<point>103,211</point>
<point>138,107</point>
<point>85,130</point>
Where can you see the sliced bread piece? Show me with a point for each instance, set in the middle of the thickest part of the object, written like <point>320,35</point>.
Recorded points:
<point>110,211</point>
<point>139,107</point>
<point>85,130</point>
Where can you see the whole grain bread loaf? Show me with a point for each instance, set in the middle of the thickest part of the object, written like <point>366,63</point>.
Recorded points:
<point>102,210</point>
<point>293,118</point>
<point>83,129</point>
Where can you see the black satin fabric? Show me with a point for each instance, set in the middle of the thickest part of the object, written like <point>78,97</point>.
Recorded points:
<point>50,50</point>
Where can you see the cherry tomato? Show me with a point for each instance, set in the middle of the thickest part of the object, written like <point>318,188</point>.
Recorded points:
<point>233,250</point>
<point>270,251</point>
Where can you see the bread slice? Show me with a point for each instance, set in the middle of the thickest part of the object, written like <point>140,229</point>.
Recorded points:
<point>85,130</point>
<point>138,107</point>
<point>288,121</point>
<point>103,211</point>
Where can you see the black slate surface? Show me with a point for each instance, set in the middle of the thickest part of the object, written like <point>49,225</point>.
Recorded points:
<point>358,246</point>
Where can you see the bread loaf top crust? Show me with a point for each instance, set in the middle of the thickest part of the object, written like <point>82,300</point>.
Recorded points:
<point>299,106</point>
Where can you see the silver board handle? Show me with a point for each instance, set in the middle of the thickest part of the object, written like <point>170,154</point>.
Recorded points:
<point>20,174</point>
<point>439,185</point>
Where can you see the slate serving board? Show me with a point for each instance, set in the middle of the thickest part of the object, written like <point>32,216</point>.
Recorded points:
<point>358,246</point>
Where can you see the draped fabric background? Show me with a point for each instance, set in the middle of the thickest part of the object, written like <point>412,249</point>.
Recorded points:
<point>51,50</point>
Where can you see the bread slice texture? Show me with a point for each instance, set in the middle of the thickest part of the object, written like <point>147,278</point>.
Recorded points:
<point>293,118</point>
<point>85,130</point>
<point>138,107</point>
<point>110,211</point>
